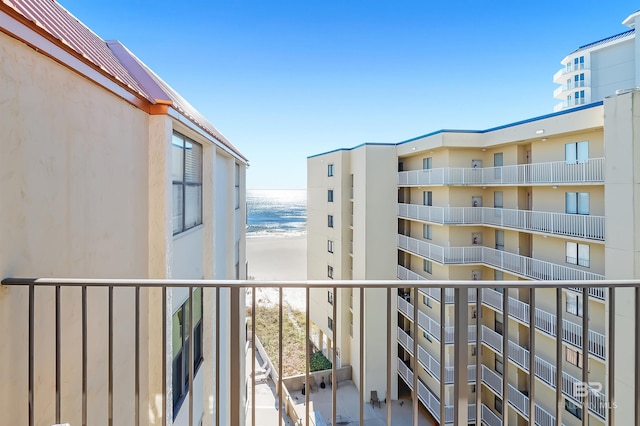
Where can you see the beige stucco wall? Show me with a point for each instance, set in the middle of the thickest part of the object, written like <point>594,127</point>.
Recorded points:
<point>74,185</point>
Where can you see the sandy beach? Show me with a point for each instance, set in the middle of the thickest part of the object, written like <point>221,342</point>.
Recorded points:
<point>279,258</point>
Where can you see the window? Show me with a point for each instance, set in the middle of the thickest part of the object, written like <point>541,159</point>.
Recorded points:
<point>498,326</point>
<point>497,200</point>
<point>497,404</point>
<point>330,246</point>
<point>578,97</point>
<point>576,202</point>
<point>498,163</point>
<point>427,163</point>
<point>498,276</point>
<point>573,408</point>
<point>180,338</point>
<point>330,170</point>
<point>578,254</point>
<point>578,80</point>
<point>330,323</point>
<point>574,304</point>
<point>427,198</point>
<point>499,240</point>
<point>474,350</point>
<point>427,265</point>
<point>578,63</point>
<point>574,357</point>
<point>330,271</point>
<point>236,189</point>
<point>576,152</point>
<point>427,336</point>
<point>330,221</point>
<point>427,232</point>
<point>427,301</point>
<point>330,195</point>
<point>186,170</point>
<point>499,365</point>
<point>330,297</point>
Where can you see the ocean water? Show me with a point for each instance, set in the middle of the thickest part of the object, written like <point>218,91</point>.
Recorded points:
<point>276,212</point>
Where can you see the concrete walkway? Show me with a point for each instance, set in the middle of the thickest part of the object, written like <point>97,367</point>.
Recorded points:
<point>348,408</point>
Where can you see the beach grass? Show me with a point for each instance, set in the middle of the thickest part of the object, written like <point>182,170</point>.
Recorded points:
<point>293,337</point>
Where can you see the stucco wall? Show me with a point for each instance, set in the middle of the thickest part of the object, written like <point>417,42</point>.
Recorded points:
<point>74,194</point>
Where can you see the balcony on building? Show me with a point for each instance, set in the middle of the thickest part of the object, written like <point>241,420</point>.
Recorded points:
<point>465,331</point>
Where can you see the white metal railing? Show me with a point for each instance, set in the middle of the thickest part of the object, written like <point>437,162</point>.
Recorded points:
<point>518,354</point>
<point>591,170</point>
<point>489,417</point>
<point>569,68</point>
<point>518,400</point>
<point>492,379</point>
<point>543,417</point>
<point>554,223</point>
<point>546,322</point>
<point>546,372</point>
<point>491,338</point>
<point>432,292</point>
<point>511,262</point>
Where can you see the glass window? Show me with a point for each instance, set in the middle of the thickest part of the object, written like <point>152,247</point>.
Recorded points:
<point>497,404</point>
<point>426,336</point>
<point>330,271</point>
<point>330,246</point>
<point>330,221</point>
<point>499,366</point>
<point>330,170</point>
<point>499,239</point>
<point>577,202</point>
<point>426,300</point>
<point>574,357</point>
<point>330,297</point>
<point>576,152</point>
<point>498,327</point>
<point>498,199</point>
<point>578,254</point>
<point>186,173</point>
<point>427,163</point>
<point>574,304</point>
<point>427,265</point>
<point>427,232</point>
<point>330,195</point>
<point>427,198</point>
<point>330,323</point>
<point>573,408</point>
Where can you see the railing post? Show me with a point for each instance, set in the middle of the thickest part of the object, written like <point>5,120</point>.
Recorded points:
<point>585,355</point>
<point>559,397</point>
<point>505,357</point>
<point>532,360</point>
<point>461,349</point>
<point>443,318</point>
<point>611,357</point>
<point>416,329</point>
<point>389,344</point>
<point>478,356</point>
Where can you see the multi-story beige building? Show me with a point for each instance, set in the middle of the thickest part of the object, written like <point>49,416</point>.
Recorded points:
<point>524,201</point>
<point>107,172</point>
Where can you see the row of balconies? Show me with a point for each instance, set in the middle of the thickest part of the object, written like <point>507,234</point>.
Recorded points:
<point>432,403</point>
<point>434,293</point>
<point>557,172</point>
<point>510,262</point>
<point>570,68</point>
<point>570,225</point>
<point>544,321</point>
<point>570,86</point>
<point>543,370</point>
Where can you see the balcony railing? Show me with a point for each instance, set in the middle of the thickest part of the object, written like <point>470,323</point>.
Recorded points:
<point>569,69</point>
<point>135,314</point>
<point>557,172</point>
<point>510,262</point>
<point>570,225</point>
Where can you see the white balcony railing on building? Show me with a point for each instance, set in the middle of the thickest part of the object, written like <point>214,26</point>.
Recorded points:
<point>149,302</point>
<point>569,68</point>
<point>489,417</point>
<point>556,172</point>
<point>510,262</point>
<point>570,225</point>
<point>431,364</point>
<point>546,322</point>
<point>434,293</point>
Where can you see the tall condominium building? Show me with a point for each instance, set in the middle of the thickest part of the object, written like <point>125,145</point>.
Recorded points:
<point>550,198</point>
<point>599,69</point>
<point>108,173</point>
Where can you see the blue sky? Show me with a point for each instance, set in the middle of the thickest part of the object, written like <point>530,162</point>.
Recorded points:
<point>287,79</point>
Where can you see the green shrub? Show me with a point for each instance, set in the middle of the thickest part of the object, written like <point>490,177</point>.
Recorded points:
<point>319,362</point>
